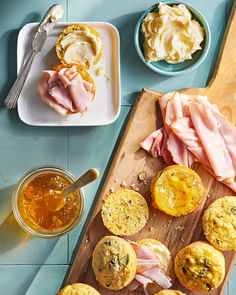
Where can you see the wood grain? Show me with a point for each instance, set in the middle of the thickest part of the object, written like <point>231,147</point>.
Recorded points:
<point>129,160</point>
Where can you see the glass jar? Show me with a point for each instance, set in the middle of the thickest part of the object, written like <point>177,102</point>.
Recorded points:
<point>25,219</point>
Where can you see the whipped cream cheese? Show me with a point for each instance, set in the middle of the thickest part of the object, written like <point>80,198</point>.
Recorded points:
<point>171,34</point>
<point>81,46</point>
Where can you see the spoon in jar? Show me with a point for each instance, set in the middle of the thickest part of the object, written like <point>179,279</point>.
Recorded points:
<point>56,200</point>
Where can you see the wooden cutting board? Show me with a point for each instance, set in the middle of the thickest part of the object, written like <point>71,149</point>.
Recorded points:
<point>130,160</point>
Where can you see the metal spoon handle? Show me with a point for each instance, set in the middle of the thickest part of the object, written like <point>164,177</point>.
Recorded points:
<point>86,178</point>
<point>13,95</point>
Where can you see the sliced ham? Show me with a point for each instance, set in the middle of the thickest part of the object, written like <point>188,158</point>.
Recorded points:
<point>46,97</point>
<point>228,132</point>
<point>143,252</point>
<point>144,281</point>
<point>133,285</point>
<point>183,128</point>
<point>179,151</point>
<point>157,275</point>
<point>65,91</point>
<point>194,130</point>
<point>145,264</point>
<point>149,141</point>
<point>207,129</point>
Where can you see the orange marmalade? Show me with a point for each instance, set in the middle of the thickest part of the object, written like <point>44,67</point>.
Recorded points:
<point>42,205</point>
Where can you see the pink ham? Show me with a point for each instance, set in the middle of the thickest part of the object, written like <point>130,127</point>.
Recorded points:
<point>149,141</point>
<point>157,275</point>
<point>228,132</point>
<point>210,136</point>
<point>65,91</point>
<point>194,130</point>
<point>133,285</point>
<point>45,95</point>
<point>143,252</point>
<point>184,130</point>
<point>179,152</point>
<point>145,264</point>
<point>173,110</point>
<point>144,281</point>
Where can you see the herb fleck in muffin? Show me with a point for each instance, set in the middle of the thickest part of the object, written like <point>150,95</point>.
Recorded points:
<point>114,262</point>
<point>200,267</point>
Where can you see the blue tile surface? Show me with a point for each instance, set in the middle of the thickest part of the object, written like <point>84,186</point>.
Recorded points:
<point>40,265</point>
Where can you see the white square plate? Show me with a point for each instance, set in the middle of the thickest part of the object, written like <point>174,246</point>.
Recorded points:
<point>105,107</point>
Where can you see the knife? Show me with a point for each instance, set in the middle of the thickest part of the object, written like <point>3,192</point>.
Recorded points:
<point>45,27</point>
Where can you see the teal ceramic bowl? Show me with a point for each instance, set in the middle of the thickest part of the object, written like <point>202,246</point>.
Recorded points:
<point>162,67</point>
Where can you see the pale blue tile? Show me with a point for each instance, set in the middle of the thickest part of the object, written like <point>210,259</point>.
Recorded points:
<point>47,281</point>
<point>22,148</point>
<point>92,147</point>
<point>31,280</point>
<point>13,16</point>
<point>134,74</point>
<point>232,282</point>
<point>17,247</point>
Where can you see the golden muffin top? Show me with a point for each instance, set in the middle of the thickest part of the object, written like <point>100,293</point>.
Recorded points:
<point>200,267</point>
<point>125,212</point>
<point>219,223</point>
<point>114,262</point>
<point>177,190</point>
<point>78,289</point>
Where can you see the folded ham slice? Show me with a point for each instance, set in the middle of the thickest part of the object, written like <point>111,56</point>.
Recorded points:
<point>210,136</point>
<point>194,130</point>
<point>65,91</point>
<point>149,269</point>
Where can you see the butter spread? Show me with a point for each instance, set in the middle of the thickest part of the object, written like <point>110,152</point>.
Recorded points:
<point>81,46</point>
<point>171,34</point>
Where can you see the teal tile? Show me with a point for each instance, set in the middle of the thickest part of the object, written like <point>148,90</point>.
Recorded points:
<point>92,147</point>
<point>31,280</point>
<point>232,282</point>
<point>47,281</point>
<point>17,247</point>
<point>14,15</point>
<point>22,148</point>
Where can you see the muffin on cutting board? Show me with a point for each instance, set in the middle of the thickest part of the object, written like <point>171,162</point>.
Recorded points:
<point>114,262</point>
<point>200,267</point>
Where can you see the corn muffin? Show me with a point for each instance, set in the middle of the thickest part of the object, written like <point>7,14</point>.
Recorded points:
<point>177,190</point>
<point>200,267</point>
<point>170,292</point>
<point>219,223</point>
<point>79,44</point>
<point>114,262</point>
<point>125,212</point>
<point>78,289</point>
<point>160,250</point>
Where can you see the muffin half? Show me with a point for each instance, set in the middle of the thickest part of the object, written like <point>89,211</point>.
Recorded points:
<point>79,44</point>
